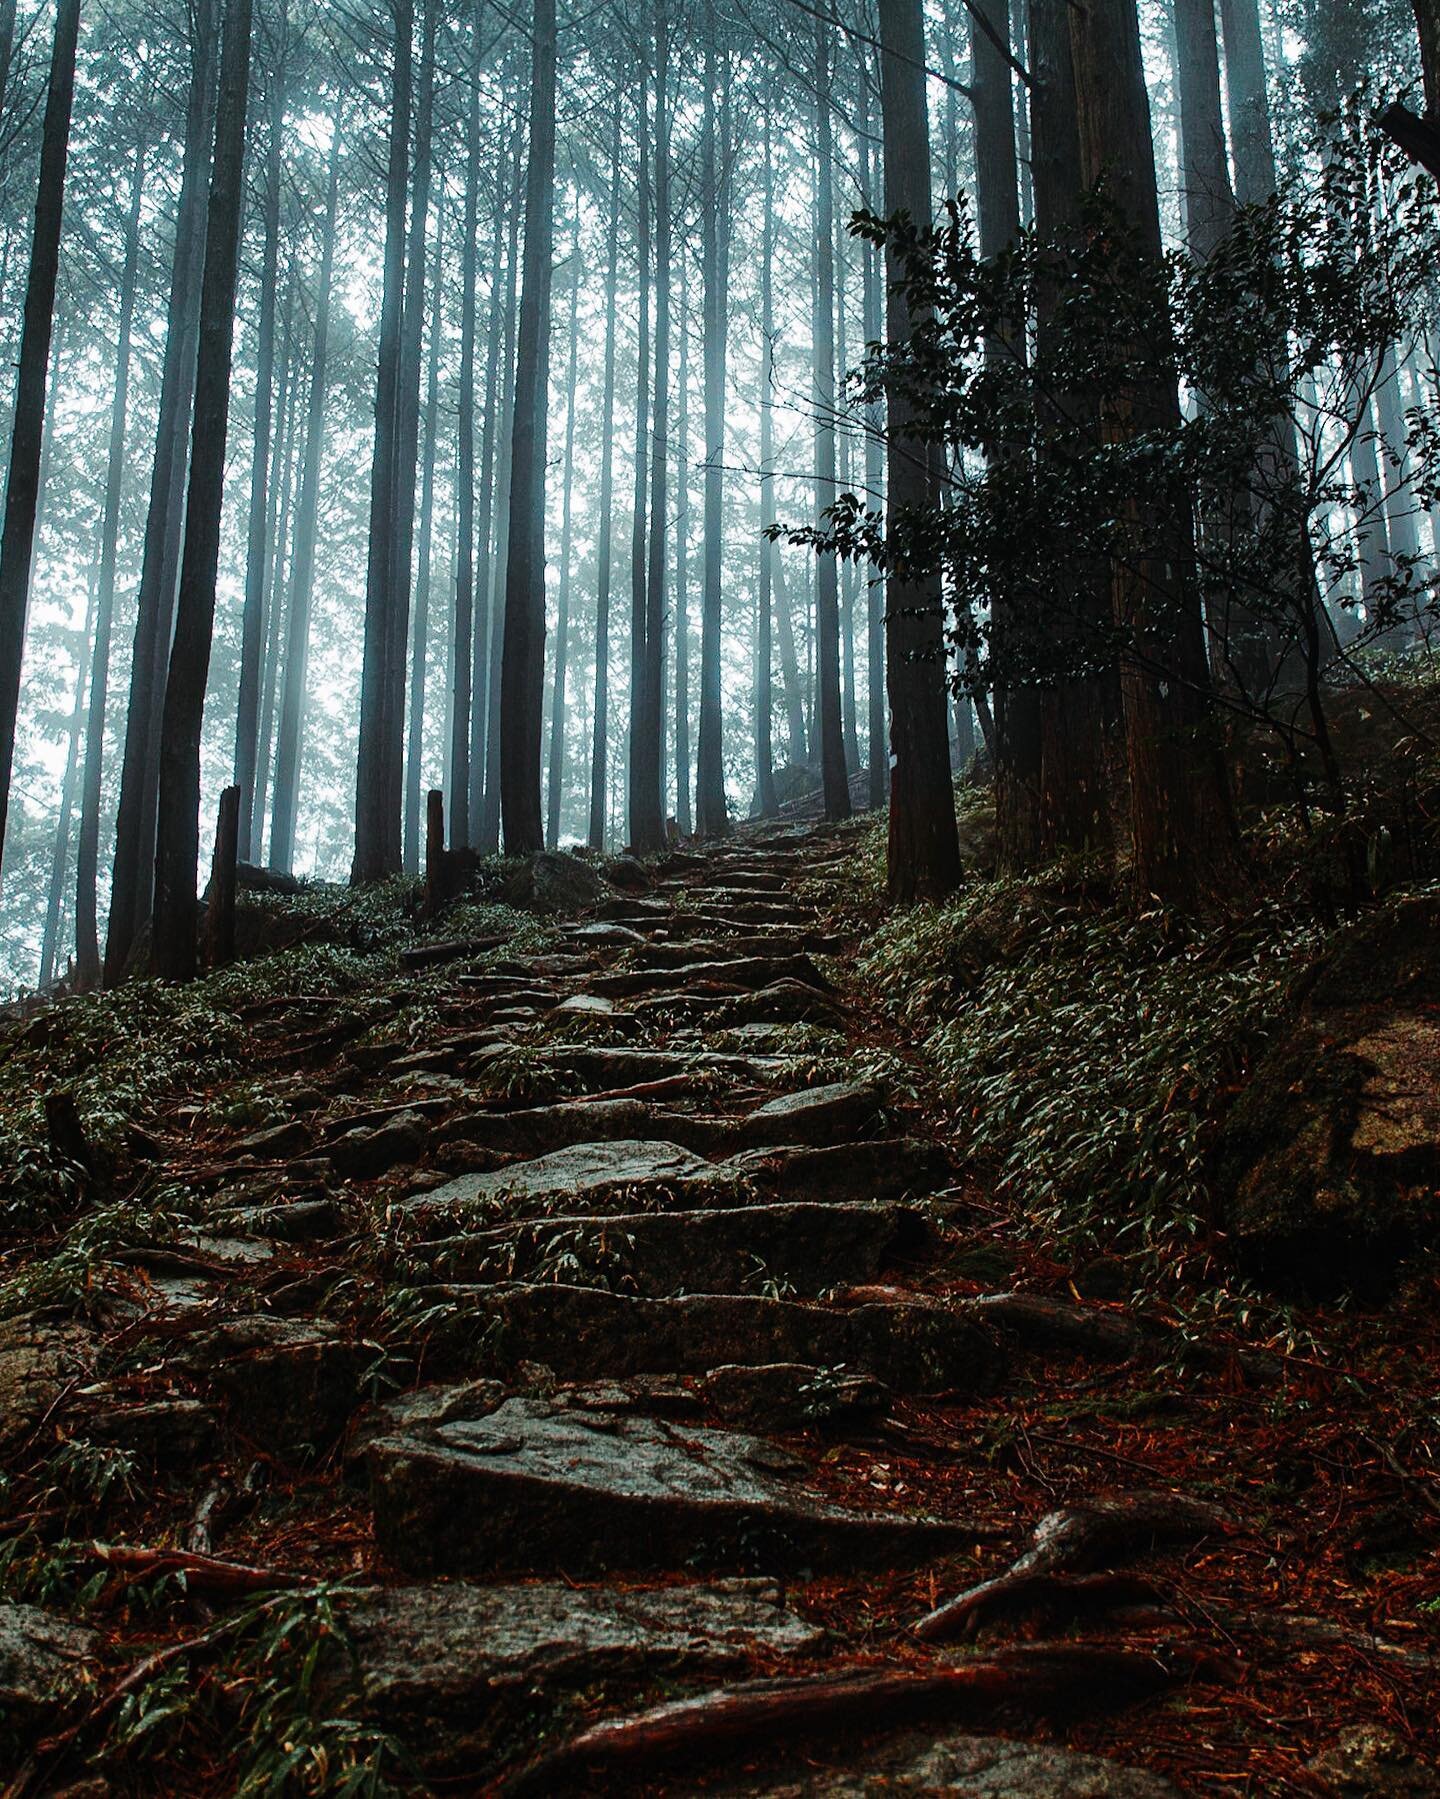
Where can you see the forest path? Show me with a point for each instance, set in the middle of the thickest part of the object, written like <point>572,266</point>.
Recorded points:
<point>628,1351</point>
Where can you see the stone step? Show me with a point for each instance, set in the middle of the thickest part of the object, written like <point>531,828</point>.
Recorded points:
<point>604,1068</point>
<point>448,1667</point>
<point>804,1249</point>
<point>738,974</point>
<point>584,1177</point>
<point>878,1168</point>
<point>585,1333</point>
<point>537,1485</point>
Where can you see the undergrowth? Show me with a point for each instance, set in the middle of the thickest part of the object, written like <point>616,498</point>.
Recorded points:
<point>1085,1049</point>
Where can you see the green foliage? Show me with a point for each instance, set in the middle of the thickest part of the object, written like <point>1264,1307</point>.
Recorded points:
<point>1086,1049</point>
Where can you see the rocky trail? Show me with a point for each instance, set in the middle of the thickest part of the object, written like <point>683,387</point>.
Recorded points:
<point>611,1383</point>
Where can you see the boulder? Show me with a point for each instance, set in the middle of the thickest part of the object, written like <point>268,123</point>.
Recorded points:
<point>553,881</point>
<point>817,1116</point>
<point>1328,1168</point>
<point>1369,1761</point>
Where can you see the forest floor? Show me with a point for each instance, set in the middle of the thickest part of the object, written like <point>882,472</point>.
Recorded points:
<point>574,1362</point>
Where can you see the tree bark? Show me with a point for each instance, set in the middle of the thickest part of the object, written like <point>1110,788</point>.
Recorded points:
<point>1079,715</point>
<point>290,737</point>
<point>178,815</point>
<point>1180,821</point>
<point>60,861</point>
<point>87,848</point>
<point>923,853</point>
<point>22,485</point>
<point>500,559</point>
<point>282,494</point>
<point>522,672</point>
<point>647,800</point>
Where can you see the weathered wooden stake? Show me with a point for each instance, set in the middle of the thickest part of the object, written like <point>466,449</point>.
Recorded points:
<point>220,913</point>
<point>434,851</point>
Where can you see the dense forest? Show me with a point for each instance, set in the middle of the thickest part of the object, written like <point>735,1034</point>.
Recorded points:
<point>719,952</point>
<point>585,341</point>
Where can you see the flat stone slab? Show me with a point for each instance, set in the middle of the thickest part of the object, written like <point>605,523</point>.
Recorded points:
<point>536,1485</point>
<point>584,1176</point>
<point>742,974</point>
<point>583,1333</point>
<point>802,1248</point>
<point>817,1115</point>
<point>39,1359</point>
<point>438,1663</point>
<point>292,1384</point>
<point>970,1767</point>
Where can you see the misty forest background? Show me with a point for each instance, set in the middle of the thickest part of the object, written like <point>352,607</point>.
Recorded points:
<point>598,274</point>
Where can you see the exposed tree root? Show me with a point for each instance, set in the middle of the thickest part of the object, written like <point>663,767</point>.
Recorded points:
<point>1075,1540</point>
<point>1040,1680</point>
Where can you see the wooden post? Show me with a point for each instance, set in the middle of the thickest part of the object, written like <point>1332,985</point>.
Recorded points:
<point>434,851</point>
<point>220,913</point>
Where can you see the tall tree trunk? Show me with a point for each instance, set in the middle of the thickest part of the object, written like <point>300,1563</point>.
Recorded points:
<point>462,634</point>
<point>133,876</point>
<point>257,558</point>
<point>790,680</point>
<point>600,738</point>
<point>562,606</point>
<point>60,860</point>
<point>420,647</point>
<point>282,494</point>
<point>834,778</point>
<point>997,206</point>
<point>412,338</point>
<point>372,858</point>
<point>636,746</point>
<point>683,816</point>
<point>1079,714</point>
<point>712,816</point>
<point>1180,822</point>
<point>500,559</point>
<point>22,486</point>
<point>290,738</point>
<point>647,779</point>
<point>87,848</point>
<point>1251,141</point>
<point>850,572</point>
<point>923,853</point>
<point>178,817</point>
<point>877,740</point>
<point>522,671</point>
<point>765,797</point>
<point>486,626</point>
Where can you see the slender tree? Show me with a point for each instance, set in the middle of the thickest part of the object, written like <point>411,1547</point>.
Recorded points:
<point>766,801</point>
<point>712,817</point>
<point>22,486</point>
<point>178,818</point>
<point>257,557</point>
<point>600,731</point>
<point>923,855</point>
<point>835,781</point>
<point>522,672</point>
<point>87,848</point>
<point>420,634</point>
<point>133,872</point>
<point>556,781</point>
<point>462,635</point>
